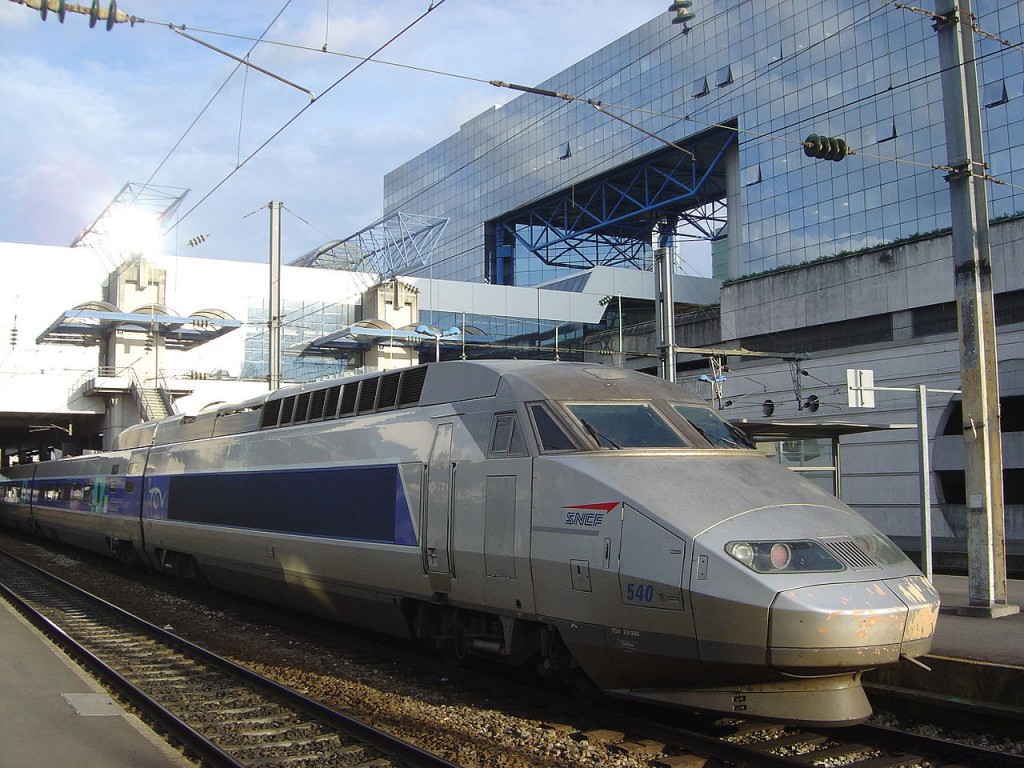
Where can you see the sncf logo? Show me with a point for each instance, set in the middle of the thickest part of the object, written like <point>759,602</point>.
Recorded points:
<point>588,515</point>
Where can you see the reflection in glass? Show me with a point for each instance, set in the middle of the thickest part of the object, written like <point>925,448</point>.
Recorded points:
<point>626,425</point>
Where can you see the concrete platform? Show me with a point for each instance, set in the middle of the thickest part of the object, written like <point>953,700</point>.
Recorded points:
<point>53,713</point>
<point>978,660</point>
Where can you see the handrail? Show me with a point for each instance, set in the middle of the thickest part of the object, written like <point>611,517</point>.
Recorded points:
<point>135,387</point>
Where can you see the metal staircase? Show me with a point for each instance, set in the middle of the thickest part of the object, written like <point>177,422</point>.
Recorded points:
<point>153,402</point>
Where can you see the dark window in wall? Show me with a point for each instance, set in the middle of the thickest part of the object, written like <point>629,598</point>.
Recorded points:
<point>934,320</point>
<point>953,486</point>
<point>1009,307</point>
<point>847,333</point>
<point>941,318</point>
<point>1013,486</point>
<point>952,483</point>
<point>1011,416</point>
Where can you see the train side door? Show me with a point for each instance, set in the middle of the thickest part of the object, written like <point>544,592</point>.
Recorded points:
<point>437,540</point>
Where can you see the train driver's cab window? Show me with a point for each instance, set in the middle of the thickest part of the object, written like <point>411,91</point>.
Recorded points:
<point>506,437</point>
<point>626,425</point>
<point>720,433</point>
<point>551,436</point>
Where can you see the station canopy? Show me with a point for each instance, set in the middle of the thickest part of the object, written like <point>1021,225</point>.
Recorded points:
<point>92,322</point>
<point>367,333</point>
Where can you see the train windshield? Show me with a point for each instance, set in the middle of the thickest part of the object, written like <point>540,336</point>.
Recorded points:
<point>626,425</point>
<point>720,433</point>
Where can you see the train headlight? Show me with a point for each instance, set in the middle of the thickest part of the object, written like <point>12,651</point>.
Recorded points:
<point>781,556</point>
<point>784,556</point>
<point>880,549</point>
<point>742,551</point>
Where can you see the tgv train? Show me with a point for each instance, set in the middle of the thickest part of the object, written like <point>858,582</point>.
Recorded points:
<point>600,524</point>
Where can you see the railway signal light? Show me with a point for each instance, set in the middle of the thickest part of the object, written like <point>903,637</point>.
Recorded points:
<point>825,147</point>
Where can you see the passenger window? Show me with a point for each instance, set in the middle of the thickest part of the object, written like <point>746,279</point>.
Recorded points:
<point>501,437</point>
<point>506,436</point>
<point>552,438</point>
<point>720,433</point>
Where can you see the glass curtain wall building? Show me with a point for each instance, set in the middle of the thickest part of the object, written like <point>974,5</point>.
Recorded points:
<point>751,80</point>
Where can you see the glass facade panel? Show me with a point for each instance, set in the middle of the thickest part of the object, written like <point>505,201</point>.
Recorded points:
<point>866,72</point>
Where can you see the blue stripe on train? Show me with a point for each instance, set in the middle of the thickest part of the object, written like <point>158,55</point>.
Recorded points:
<point>367,503</point>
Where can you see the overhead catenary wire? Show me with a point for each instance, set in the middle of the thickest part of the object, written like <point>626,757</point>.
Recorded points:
<point>433,6</point>
<point>971,22</point>
<point>213,98</point>
<point>243,61</point>
<point>601,106</point>
<point>604,107</point>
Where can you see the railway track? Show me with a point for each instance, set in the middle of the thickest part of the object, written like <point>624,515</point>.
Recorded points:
<point>618,737</point>
<point>221,713</point>
<point>772,745</point>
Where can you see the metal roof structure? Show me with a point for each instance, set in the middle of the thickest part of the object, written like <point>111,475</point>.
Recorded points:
<point>386,247</point>
<point>135,206</point>
<point>610,220</point>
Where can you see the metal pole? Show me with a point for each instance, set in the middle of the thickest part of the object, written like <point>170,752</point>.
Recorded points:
<point>666,320</point>
<point>622,353</point>
<point>926,483</point>
<point>983,464</point>
<point>274,323</point>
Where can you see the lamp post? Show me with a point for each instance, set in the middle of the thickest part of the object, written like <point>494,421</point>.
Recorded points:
<point>432,333</point>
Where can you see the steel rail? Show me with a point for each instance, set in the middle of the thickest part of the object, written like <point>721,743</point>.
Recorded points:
<point>395,748</point>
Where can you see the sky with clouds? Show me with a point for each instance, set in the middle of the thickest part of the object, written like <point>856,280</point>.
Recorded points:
<point>86,110</point>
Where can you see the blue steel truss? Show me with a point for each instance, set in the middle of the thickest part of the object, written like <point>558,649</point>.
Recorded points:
<point>609,220</point>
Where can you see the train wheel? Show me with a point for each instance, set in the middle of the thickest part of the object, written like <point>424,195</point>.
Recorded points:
<point>124,552</point>
<point>453,649</point>
<point>560,667</point>
<point>182,568</point>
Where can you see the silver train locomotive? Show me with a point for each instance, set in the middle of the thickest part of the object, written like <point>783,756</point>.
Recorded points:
<point>598,523</point>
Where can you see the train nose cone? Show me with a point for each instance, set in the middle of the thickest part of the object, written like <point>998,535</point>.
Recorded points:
<point>851,626</point>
